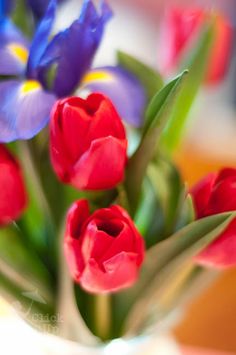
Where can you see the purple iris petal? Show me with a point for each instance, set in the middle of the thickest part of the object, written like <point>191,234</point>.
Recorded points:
<point>39,7</point>
<point>24,109</point>
<point>124,90</point>
<point>40,40</point>
<point>73,49</point>
<point>10,64</point>
<point>13,49</point>
<point>5,7</point>
<point>9,33</point>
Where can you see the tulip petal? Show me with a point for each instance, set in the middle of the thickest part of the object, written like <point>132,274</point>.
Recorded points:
<point>40,40</point>
<point>13,197</point>
<point>77,214</point>
<point>73,49</point>
<point>24,109</point>
<point>123,89</point>
<point>95,242</point>
<point>201,194</point>
<point>74,257</point>
<point>121,272</point>
<point>223,196</point>
<point>102,166</point>
<point>221,253</point>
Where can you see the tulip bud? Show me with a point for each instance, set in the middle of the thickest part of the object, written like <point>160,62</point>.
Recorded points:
<point>179,30</point>
<point>88,143</point>
<point>12,193</point>
<point>216,193</point>
<point>104,250</point>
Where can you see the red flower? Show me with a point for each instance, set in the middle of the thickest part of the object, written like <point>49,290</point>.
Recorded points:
<point>179,30</point>
<point>88,143</point>
<point>104,250</point>
<point>216,193</point>
<point>12,193</point>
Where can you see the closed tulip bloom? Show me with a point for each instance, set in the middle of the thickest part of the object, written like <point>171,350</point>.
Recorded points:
<point>216,193</point>
<point>88,143</point>
<point>179,30</point>
<point>104,250</point>
<point>12,193</point>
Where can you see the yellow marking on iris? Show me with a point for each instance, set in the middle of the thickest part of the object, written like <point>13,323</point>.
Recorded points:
<point>19,51</point>
<point>30,85</point>
<point>96,76</point>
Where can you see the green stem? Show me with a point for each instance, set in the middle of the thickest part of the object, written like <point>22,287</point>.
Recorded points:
<point>103,316</point>
<point>29,162</point>
<point>30,158</point>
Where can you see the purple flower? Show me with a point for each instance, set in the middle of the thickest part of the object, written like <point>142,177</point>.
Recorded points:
<point>26,100</point>
<point>39,7</point>
<point>5,7</point>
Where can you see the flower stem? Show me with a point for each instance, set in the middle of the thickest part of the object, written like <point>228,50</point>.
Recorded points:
<point>103,316</point>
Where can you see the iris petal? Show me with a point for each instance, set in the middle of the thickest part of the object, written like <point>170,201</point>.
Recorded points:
<point>24,109</point>
<point>5,7</point>
<point>40,40</point>
<point>13,49</point>
<point>73,49</point>
<point>13,59</point>
<point>39,7</point>
<point>9,33</point>
<point>124,90</point>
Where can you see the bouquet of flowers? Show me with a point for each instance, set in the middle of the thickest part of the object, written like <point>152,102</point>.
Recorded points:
<point>100,238</point>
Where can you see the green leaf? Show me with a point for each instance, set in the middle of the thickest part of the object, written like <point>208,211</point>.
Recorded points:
<point>156,119</point>
<point>170,190</point>
<point>148,224</point>
<point>163,261</point>
<point>21,17</point>
<point>28,304</point>
<point>19,263</point>
<point>197,64</point>
<point>149,78</point>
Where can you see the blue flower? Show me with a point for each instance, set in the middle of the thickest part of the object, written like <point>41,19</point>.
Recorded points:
<point>26,99</point>
<point>39,7</point>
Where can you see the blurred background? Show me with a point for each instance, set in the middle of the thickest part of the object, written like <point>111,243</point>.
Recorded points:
<point>209,143</point>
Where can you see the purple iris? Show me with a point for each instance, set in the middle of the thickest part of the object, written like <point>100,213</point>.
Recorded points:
<point>5,7</point>
<point>26,98</point>
<point>39,7</point>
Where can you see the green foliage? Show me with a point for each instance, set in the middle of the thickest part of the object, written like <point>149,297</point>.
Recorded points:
<point>163,263</point>
<point>149,78</point>
<point>157,115</point>
<point>196,62</point>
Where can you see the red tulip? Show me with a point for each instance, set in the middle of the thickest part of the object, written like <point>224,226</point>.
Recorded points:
<point>216,193</point>
<point>178,33</point>
<point>12,193</point>
<point>104,250</point>
<point>88,143</point>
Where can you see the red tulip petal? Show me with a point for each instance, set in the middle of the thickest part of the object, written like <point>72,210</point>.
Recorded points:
<point>106,121</point>
<point>222,252</point>
<point>224,174</point>
<point>102,166</point>
<point>77,215</point>
<point>13,198</point>
<point>125,242</point>
<point>75,127</point>
<point>223,197</point>
<point>201,194</point>
<point>95,242</point>
<point>121,272</point>
<point>221,52</point>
